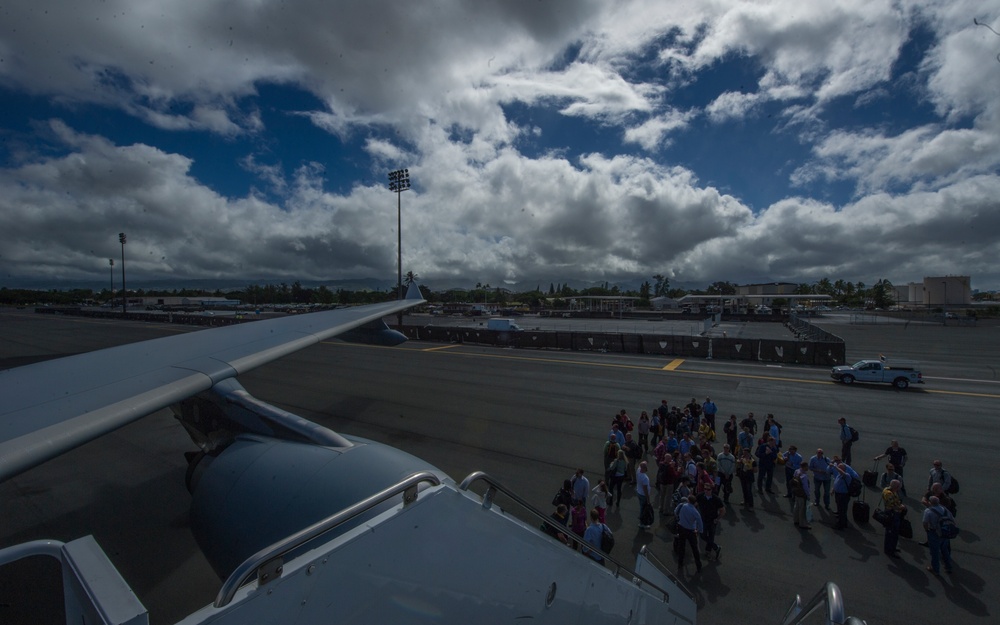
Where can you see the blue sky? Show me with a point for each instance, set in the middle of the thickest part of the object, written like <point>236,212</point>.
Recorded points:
<point>546,141</point>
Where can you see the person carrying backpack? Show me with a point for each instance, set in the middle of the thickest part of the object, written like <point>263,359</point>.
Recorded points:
<point>938,475</point>
<point>848,436</point>
<point>611,449</point>
<point>844,475</point>
<point>937,520</point>
<point>599,536</point>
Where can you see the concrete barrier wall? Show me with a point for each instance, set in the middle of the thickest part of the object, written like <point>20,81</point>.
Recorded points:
<point>802,352</point>
<point>803,329</point>
<point>829,351</point>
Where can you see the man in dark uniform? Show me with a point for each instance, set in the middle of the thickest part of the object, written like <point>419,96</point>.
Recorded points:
<point>897,456</point>
<point>711,509</point>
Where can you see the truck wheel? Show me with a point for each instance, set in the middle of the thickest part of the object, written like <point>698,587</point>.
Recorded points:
<point>847,379</point>
<point>901,383</point>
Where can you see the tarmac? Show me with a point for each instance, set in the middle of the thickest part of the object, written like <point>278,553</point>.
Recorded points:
<point>530,418</point>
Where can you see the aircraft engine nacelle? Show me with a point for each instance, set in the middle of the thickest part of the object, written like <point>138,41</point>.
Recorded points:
<point>259,490</point>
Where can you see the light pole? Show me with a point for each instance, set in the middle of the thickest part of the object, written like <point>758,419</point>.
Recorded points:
<point>111,261</point>
<point>399,181</point>
<point>121,239</point>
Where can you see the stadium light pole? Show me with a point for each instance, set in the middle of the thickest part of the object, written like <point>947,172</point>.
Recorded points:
<point>399,181</point>
<point>121,239</point>
<point>111,261</point>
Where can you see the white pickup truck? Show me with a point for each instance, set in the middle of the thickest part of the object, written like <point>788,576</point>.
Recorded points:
<point>899,373</point>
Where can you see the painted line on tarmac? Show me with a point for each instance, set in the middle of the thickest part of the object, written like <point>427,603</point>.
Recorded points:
<point>962,380</point>
<point>434,349</point>
<point>962,393</point>
<point>675,364</point>
<point>750,376</point>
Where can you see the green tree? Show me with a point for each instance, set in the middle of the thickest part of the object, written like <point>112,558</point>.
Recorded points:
<point>645,290</point>
<point>660,285</point>
<point>300,294</point>
<point>721,288</point>
<point>323,295</point>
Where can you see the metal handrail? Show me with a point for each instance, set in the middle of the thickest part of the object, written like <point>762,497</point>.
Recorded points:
<point>648,553</point>
<point>272,555</point>
<point>477,476</point>
<point>51,548</point>
<point>828,596</point>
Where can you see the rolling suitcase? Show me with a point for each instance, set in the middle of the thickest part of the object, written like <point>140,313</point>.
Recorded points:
<point>860,510</point>
<point>869,478</point>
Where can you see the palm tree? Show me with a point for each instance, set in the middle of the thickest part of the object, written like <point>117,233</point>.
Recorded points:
<point>883,294</point>
<point>410,278</point>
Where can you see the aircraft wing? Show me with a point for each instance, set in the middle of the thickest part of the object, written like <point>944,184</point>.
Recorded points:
<point>49,408</point>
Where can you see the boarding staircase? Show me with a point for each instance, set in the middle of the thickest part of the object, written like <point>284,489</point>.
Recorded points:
<point>95,593</point>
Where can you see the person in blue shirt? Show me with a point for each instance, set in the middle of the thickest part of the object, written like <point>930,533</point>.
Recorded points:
<point>846,441</point>
<point>820,466</point>
<point>843,474</point>
<point>686,444</point>
<point>592,536</point>
<point>745,439</point>
<point>793,459</point>
<point>940,546</point>
<point>581,486</point>
<point>644,492</point>
<point>655,428</point>
<point>672,443</point>
<point>709,409</point>
<point>617,433</point>
<point>767,456</point>
<point>773,428</point>
<point>689,524</point>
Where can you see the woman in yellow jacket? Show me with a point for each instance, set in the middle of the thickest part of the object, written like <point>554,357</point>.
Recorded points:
<point>705,431</point>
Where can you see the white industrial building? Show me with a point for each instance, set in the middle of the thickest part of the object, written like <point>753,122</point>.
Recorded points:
<point>936,291</point>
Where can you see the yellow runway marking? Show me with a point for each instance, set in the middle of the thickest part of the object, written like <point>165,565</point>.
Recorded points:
<point>434,349</point>
<point>963,393</point>
<point>673,364</point>
<point>750,376</point>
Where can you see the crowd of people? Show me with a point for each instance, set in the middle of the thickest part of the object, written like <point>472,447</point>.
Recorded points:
<point>696,469</point>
